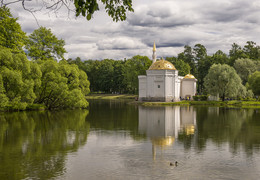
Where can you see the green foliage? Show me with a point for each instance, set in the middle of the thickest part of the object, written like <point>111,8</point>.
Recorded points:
<point>219,58</point>
<point>182,67</point>
<point>62,85</point>
<point>114,8</point>
<point>188,57</point>
<point>244,68</point>
<point>11,34</point>
<point>254,82</point>
<point>252,50</point>
<point>112,76</point>
<point>16,84</point>
<point>236,52</point>
<point>56,85</point>
<point>135,66</point>
<point>200,98</point>
<point>43,44</point>
<point>223,80</point>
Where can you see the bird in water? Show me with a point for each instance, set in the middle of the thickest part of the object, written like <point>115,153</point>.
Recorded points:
<point>175,164</point>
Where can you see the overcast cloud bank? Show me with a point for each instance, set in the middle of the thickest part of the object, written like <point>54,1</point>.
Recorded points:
<point>171,24</point>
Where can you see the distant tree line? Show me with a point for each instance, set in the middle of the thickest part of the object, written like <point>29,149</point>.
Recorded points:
<point>236,74</point>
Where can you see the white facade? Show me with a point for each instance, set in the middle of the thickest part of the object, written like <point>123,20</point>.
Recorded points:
<point>188,88</point>
<point>159,85</point>
<point>162,83</point>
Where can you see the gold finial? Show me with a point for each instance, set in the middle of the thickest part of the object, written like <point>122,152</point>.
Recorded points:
<point>154,47</point>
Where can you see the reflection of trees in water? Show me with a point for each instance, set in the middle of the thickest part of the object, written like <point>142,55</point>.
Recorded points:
<point>221,125</point>
<point>115,116</point>
<point>35,144</point>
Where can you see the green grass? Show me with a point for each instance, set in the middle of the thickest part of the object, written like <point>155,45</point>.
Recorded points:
<point>111,96</point>
<point>180,103</point>
<point>238,104</point>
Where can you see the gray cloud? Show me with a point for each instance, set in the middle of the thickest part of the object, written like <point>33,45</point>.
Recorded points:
<point>171,24</point>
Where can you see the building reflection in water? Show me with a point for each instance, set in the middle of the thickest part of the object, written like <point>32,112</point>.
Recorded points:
<point>163,124</point>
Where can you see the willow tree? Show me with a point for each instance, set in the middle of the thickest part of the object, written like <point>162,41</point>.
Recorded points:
<point>254,82</point>
<point>62,85</point>
<point>223,80</point>
<point>17,80</point>
<point>244,68</point>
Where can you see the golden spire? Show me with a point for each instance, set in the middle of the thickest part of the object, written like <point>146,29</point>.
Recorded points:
<point>154,47</point>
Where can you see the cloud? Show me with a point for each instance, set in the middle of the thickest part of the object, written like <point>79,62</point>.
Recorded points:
<point>119,43</point>
<point>171,24</point>
<point>159,15</point>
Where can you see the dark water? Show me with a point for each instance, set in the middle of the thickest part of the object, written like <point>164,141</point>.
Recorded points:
<point>113,140</point>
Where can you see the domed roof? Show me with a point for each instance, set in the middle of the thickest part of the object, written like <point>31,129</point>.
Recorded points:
<point>161,65</point>
<point>189,76</point>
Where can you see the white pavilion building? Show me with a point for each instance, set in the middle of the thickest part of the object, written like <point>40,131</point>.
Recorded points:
<point>162,83</point>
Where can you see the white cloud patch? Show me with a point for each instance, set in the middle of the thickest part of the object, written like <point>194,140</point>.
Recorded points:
<point>119,43</point>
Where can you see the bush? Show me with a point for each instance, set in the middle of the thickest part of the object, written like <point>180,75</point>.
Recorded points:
<point>200,97</point>
<point>195,98</point>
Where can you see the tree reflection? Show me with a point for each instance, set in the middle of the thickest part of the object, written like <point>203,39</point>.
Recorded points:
<point>34,144</point>
<point>235,126</point>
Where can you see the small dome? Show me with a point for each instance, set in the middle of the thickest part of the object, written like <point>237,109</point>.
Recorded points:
<point>161,65</point>
<point>189,76</point>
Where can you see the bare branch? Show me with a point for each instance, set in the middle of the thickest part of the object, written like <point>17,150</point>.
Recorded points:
<point>30,12</point>
<point>8,3</point>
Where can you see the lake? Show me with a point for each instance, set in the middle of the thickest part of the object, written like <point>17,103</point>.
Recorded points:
<point>114,140</point>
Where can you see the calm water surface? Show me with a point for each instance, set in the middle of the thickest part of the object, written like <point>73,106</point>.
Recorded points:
<point>113,140</point>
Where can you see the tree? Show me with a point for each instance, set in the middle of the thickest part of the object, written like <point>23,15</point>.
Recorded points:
<point>188,57</point>
<point>118,78</point>
<point>16,83</point>
<point>235,53</point>
<point>135,66</point>
<point>220,58</point>
<point>223,80</point>
<point>201,61</point>
<point>182,67</point>
<point>42,44</point>
<point>244,68</point>
<point>252,50</point>
<point>116,9</point>
<point>11,34</point>
<point>62,85</point>
<point>105,76</point>
<point>254,82</point>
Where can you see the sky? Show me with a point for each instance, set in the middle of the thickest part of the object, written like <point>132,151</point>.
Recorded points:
<point>171,24</point>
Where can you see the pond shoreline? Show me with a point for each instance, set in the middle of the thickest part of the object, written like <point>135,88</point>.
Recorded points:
<point>233,103</point>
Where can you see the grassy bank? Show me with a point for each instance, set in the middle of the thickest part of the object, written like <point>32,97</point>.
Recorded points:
<point>111,96</point>
<point>238,104</point>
